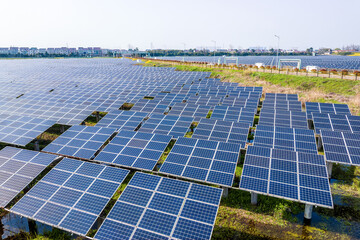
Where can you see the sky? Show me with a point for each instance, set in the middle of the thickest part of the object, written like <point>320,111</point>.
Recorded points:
<point>171,24</point>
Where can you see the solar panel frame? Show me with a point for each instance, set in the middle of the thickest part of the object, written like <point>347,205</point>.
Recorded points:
<point>18,168</point>
<point>20,130</point>
<point>80,141</point>
<point>202,160</point>
<point>137,150</point>
<point>122,120</point>
<point>67,203</point>
<point>149,211</point>
<point>257,177</point>
<point>224,131</point>
<point>341,147</point>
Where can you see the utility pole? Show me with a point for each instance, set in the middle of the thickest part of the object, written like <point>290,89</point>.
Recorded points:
<point>184,51</point>
<point>214,51</point>
<point>277,52</point>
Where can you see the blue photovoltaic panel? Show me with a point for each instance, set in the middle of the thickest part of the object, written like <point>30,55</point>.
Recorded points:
<point>20,130</point>
<point>134,149</point>
<point>18,167</point>
<point>176,126</point>
<point>171,209</point>
<point>190,110</point>
<point>332,108</point>
<point>283,118</point>
<point>286,174</point>
<point>80,141</point>
<point>293,139</point>
<point>234,114</point>
<point>150,106</point>
<point>224,131</point>
<point>122,120</point>
<point>341,147</point>
<point>203,160</point>
<point>281,97</point>
<point>336,122</point>
<point>74,192</point>
<point>288,105</point>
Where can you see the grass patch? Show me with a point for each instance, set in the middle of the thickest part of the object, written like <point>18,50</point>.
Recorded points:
<point>305,83</point>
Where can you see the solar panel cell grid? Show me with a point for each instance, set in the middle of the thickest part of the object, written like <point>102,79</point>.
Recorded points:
<point>293,139</point>
<point>75,201</point>
<point>122,120</point>
<point>341,147</point>
<point>175,126</point>
<point>20,130</point>
<point>285,174</point>
<point>203,160</point>
<point>80,141</point>
<point>218,130</point>
<point>179,206</point>
<point>18,167</point>
<point>134,149</point>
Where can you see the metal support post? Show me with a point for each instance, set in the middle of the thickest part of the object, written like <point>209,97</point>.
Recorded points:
<point>254,198</point>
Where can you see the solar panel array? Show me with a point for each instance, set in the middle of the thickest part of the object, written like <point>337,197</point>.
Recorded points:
<point>286,174</point>
<point>134,149</point>
<point>234,114</point>
<point>315,107</point>
<point>19,167</point>
<point>283,118</point>
<point>223,131</point>
<point>203,160</point>
<point>281,97</point>
<point>293,139</point>
<point>20,130</point>
<point>122,120</point>
<point>336,122</point>
<point>72,195</point>
<point>153,207</point>
<point>341,147</point>
<point>80,141</point>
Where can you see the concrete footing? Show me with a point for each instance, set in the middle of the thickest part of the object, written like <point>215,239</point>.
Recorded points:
<point>308,211</point>
<point>329,166</point>
<point>97,116</point>
<point>62,128</point>
<point>254,198</point>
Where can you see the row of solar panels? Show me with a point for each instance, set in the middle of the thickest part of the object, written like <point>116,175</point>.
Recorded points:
<point>73,195</point>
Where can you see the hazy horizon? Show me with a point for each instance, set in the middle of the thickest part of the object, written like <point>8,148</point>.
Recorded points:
<point>169,24</point>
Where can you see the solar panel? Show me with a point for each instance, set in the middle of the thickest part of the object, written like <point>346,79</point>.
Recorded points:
<point>176,126</point>
<point>293,139</point>
<point>122,120</point>
<point>18,167</point>
<point>150,106</point>
<point>251,101</point>
<point>223,131</point>
<point>281,96</point>
<point>283,118</point>
<point>333,108</point>
<point>134,149</point>
<point>203,160</point>
<point>288,105</point>
<point>153,207</point>
<point>234,114</point>
<point>80,141</point>
<point>341,147</point>
<point>336,122</point>
<point>72,195</point>
<point>296,176</point>
<point>189,110</point>
<point>20,130</point>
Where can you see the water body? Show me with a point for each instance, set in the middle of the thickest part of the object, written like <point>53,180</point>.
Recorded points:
<point>336,62</point>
